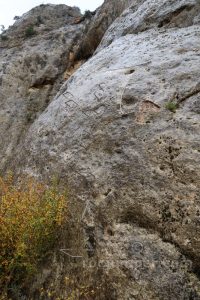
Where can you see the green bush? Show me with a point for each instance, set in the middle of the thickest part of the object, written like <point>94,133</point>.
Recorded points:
<point>16,18</point>
<point>30,32</point>
<point>39,21</point>
<point>87,14</point>
<point>4,37</point>
<point>172,106</point>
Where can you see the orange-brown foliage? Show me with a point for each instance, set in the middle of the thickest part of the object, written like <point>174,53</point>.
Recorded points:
<point>31,215</point>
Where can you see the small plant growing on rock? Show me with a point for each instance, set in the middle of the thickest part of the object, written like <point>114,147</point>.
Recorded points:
<point>2,28</point>
<point>87,14</point>
<point>4,37</point>
<point>16,18</point>
<point>172,106</point>
<point>29,32</point>
<point>39,21</point>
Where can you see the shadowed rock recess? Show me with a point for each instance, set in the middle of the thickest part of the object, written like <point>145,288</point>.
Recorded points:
<point>87,98</point>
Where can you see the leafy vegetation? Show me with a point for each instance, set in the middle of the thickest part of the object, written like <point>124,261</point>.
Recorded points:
<point>4,37</point>
<point>39,21</point>
<point>2,28</point>
<point>30,31</point>
<point>31,216</point>
<point>87,14</point>
<point>16,18</point>
<point>172,106</point>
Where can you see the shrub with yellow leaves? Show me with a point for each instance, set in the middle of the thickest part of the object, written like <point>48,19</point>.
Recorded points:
<point>31,215</point>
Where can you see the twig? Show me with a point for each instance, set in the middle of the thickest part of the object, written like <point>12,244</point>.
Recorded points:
<point>72,256</point>
<point>85,210</point>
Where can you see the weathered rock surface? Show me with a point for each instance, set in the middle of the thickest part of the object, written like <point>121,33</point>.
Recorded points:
<point>40,51</point>
<point>109,132</point>
<point>32,69</point>
<point>103,18</point>
<point>143,15</point>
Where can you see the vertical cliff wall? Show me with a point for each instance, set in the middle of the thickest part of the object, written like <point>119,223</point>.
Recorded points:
<point>123,133</point>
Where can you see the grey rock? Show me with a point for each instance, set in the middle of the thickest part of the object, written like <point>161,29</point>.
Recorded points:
<point>32,69</point>
<point>110,133</point>
<point>143,15</point>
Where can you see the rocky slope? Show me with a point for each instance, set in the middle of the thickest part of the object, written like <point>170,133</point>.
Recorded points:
<point>122,131</point>
<point>37,55</point>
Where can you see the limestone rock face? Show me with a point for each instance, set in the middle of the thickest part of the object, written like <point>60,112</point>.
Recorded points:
<point>104,17</point>
<point>33,58</point>
<point>37,54</point>
<point>143,15</point>
<point>124,132</point>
